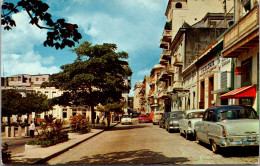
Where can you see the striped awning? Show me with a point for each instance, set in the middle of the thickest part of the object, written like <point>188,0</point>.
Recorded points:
<point>246,91</point>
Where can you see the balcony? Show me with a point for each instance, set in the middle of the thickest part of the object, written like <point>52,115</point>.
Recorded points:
<point>164,75</point>
<point>177,62</point>
<point>243,35</point>
<point>167,36</point>
<point>163,94</point>
<point>152,82</point>
<point>166,54</point>
<point>170,69</point>
<point>164,44</point>
<point>177,85</point>
<point>163,61</point>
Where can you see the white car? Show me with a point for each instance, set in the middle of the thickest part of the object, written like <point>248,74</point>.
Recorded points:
<point>126,119</point>
<point>187,125</point>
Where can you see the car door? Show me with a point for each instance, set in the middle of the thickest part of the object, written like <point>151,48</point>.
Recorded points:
<point>209,124</point>
<point>202,128</point>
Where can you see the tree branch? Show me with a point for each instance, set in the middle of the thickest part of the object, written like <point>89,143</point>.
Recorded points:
<point>9,12</point>
<point>41,27</point>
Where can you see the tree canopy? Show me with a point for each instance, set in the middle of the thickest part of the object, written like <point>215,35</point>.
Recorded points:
<point>95,77</point>
<point>60,33</point>
<point>10,103</point>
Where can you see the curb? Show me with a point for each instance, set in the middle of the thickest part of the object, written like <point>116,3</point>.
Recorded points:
<point>43,160</point>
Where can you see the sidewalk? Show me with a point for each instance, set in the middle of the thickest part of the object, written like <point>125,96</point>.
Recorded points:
<point>40,155</point>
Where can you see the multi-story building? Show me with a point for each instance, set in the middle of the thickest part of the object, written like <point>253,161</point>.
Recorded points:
<point>137,89</point>
<point>241,42</point>
<point>143,96</point>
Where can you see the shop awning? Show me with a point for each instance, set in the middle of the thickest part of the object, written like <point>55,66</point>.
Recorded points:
<point>246,91</point>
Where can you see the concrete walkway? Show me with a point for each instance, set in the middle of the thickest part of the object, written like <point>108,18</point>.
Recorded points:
<point>40,155</point>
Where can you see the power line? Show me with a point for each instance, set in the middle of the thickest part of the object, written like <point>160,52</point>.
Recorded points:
<point>146,65</point>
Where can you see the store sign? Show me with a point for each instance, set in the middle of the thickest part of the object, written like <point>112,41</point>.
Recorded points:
<point>207,67</point>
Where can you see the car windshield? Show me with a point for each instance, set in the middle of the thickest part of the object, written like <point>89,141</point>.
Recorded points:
<point>177,115</point>
<point>196,115</point>
<point>237,114</point>
<point>126,116</point>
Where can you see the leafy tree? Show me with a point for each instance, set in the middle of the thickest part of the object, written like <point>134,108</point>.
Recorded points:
<point>116,107</point>
<point>60,33</point>
<point>96,76</point>
<point>35,102</point>
<point>10,103</point>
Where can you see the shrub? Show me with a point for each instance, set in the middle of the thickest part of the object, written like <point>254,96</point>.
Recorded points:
<point>49,136</point>
<point>79,123</point>
<point>6,155</point>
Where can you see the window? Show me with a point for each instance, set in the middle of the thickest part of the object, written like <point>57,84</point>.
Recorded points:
<point>43,79</point>
<point>19,79</point>
<point>178,5</point>
<point>74,112</point>
<point>12,79</point>
<point>46,92</point>
<point>37,79</point>
<point>205,116</point>
<point>246,67</point>
<point>64,115</point>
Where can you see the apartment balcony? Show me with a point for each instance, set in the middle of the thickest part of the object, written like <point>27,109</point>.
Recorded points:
<point>167,37</point>
<point>170,69</point>
<point>163,61</point>
<point>163,94</point>
<point>164,75</point>
<point>152,82</point>
<point>243,35</point>
<point>177,85</point>
<point>164,44</point>
<point>177,62</point>
<point>169,89</point>
<point>166,54</point>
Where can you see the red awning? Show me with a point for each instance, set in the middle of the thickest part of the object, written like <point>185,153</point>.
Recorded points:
<point>246,91</point>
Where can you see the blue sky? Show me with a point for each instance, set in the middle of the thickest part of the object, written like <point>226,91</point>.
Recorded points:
<point>136,26</point>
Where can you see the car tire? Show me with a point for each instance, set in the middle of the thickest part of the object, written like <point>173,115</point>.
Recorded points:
<point>187,136</point>
<point>215,148</point>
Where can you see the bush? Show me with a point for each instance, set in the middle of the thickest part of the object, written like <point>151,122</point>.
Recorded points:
<point>79,123</point>
<point>6,155</point>
<point>49,136</point>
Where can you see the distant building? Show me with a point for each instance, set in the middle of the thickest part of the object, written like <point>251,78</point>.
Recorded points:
<point>136,99</point>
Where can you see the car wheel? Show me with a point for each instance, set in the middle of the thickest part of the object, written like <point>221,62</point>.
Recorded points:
<point>187,136</point>
<point>214,146</point>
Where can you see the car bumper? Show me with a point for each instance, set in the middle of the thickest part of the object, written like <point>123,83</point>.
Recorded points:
<point>239,141</point>
<point>174,127</point>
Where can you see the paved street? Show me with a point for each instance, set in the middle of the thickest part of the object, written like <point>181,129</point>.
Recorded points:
<point>149,144</point>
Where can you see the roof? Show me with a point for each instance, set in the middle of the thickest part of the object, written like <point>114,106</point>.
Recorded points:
<point>230,107</point>
<point>196,110</point>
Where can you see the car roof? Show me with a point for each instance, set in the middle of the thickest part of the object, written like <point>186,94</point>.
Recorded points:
<point>229,107</point>
<point>174,112</point>
<point>196,110</point>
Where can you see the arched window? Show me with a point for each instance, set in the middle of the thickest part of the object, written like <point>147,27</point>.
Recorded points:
<point>178,5</point>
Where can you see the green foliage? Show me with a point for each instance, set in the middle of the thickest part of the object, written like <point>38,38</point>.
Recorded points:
<point>11,103</point>
<point>111,107</point>
<point>79,123</point>
<point>60,33</point>
<point>6,155</point>
<point>51,133</point>
<point>96,76</point>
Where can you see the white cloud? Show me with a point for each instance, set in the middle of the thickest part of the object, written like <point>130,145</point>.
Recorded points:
<point>144,72</point>
<point>18,55</point>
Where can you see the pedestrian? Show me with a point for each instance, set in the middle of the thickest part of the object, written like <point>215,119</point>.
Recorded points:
<point>32,128</point>
<point>108,120</point>
<point>97,119</point>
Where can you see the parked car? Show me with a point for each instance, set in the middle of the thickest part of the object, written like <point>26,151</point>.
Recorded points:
<point>143,118</point>
<point>228,126</point>
<point>172,121</point>
<point>187,125</point>
<point>162,120</point>
<point>126,119</point>
<point>157,116</point>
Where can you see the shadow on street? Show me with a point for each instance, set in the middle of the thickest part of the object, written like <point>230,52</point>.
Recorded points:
<point>235,151</point>
<point>143,156</point>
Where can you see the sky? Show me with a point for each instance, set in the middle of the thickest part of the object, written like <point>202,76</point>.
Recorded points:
<point>135,26</point>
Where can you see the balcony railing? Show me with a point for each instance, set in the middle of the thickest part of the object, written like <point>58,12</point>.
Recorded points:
<point>163,93</point>
<point>166,54</point>
<point>164,44</point>
<point>170,69</point>
<point>177,85</point>
<point>167,36</point>
<point>177,62</point>
<point>247,24</point>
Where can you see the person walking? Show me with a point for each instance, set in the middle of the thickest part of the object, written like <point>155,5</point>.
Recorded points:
<point>32,128</point>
